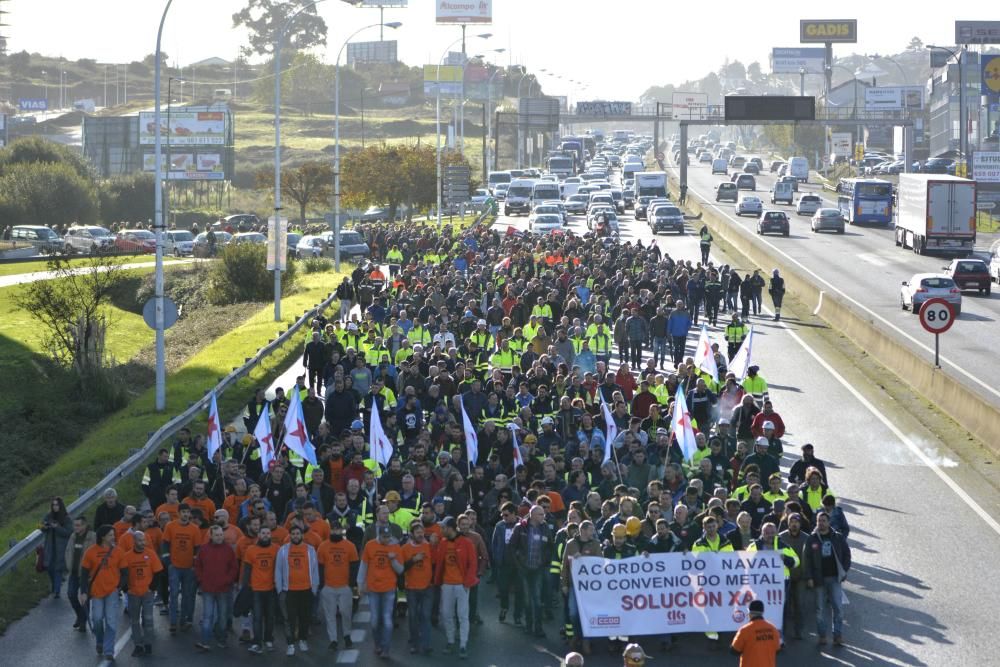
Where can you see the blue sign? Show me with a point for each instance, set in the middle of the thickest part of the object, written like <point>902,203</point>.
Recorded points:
<point>29,104</point>
<point>791,60</point>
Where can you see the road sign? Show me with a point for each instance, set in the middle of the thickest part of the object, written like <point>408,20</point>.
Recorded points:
<point>936,316</point>
<point>169,313</point>
<point>455,188</point>
<point>32,104</point>
<point>986,205</point>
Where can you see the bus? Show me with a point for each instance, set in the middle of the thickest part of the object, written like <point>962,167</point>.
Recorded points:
<point>865,200</point>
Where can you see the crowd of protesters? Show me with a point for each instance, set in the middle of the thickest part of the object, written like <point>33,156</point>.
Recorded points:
<point>529,336</point>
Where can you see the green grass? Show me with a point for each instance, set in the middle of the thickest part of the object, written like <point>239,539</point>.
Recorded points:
<point>16,268</point>
<point>987,223</point>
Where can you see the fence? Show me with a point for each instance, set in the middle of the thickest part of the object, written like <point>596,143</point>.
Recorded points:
<point>26,547</point>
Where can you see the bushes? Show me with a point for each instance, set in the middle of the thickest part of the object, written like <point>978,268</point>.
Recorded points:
<point>317,265</point>
<point>128,198</point>
<point>42,193</point>
<point>242,276</point>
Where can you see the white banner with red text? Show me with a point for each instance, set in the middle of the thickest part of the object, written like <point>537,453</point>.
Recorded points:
<point>676,592</point>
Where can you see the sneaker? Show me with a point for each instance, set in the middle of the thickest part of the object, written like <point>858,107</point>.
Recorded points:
<point>463,652</point>
<point>303,646</point>
<point>348,642</point>
<point>290,650</point>
<point>202,646</point>
<point>332,646</point>
<point>449,649</point>
<point>255,649</point>
<point>269,646</point>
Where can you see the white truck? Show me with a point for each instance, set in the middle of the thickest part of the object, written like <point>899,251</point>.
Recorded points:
<point>936,213</point>
<point>650,184</point>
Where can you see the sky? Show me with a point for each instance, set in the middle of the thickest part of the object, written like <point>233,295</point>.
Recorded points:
<point>616,50</point>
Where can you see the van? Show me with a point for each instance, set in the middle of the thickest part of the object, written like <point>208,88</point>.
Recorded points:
<point>519,196</point>
<point>720,166</point>
<point>799,168</point>
<point>497,177</point>
<point>545,191</point>
<point>42,238</point>
<point>631,169</point>
<point>782,192</point>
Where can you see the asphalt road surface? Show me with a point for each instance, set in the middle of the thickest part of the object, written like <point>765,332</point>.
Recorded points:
<point>923,532</point>
<point>864,266</point>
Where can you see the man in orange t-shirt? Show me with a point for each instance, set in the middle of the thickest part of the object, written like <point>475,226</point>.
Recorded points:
<point>258,574</point>
<point>381,561</point>
<point>172,506</point>
<point>455,571</point>
<point>99,577</point>
<point>418,565</point>
<point>757,642</point>
<point>199,499</point>
<point>296,578</point>
<point>125,523</point>
<point>336,557</point>
<point>180,541</point>
<point>138,566</point>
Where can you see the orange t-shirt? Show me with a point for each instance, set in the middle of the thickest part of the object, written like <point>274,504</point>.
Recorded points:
<point>141,568</point>
<point>381,576</point>
<point>433,529</point>
<point>418,575</point>
<point>206,505</point>
<point>308,537</point>
<point>103,580</point>
<point>125,541</point>
<point>232,505</point>
<point>452,572</point>
<point>757,643</point>
<point>169,508</point>
<point>335,558</point>
<point>557,504</point>
<point>121,527</point>
<point>298,567</point>
<point>260,560</point>
<point>183,540</point>
<point>154,538</point>
<point>279,535</point>
<point>242,545</point>
<point>320,527</point>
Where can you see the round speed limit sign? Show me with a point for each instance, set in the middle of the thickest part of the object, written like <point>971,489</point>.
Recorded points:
<point>936,316</point>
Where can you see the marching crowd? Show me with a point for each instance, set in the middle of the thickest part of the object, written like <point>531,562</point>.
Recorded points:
<point>496,406</point>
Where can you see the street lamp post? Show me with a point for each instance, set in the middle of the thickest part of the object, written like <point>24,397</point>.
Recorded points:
<point>520,137</point>
<point>489,118</point>
<point>962,129</point>
<point>437,115</point>
<point>802,82</point>
<point>170,101</point>
<point>336,140</point>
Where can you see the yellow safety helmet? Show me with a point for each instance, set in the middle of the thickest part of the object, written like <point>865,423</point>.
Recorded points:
<point>633,526</point>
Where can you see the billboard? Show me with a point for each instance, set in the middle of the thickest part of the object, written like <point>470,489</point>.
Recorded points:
<point>986,166</point>
<point>187,128</point>
<point>540,113</point>
<point>844,31</point>
<point>450,77</point>
<point>770,107</point>
<point>791,60</point>
<point>601,108</point>
<point>187,166</point>
<point>464,11</point>
<point>841,145</point>
<point>990,75</point>
<point>894,98</point>
<point>32,104</point>
<point>381,3</point>
<point>689,106</point>
<point>372,52</point>
<point>977,32</point>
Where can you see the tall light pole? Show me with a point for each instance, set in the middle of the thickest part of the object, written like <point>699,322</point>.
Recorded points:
<point>461,114</point>
<point>520,138</point>
<point>962,129</point>
<point>170,101</point>
<point>489,118</point>
<point>161,352</point>
<point>336,141</point>
<point>802,82</point>
<point>437,120</point>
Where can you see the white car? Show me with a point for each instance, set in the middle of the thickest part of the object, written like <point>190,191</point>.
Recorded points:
<point>543,209</point>
<point>179,242</point>
<point>808,205</point>
<point>480,196</point>
<point>500,191</point>
<point>749,204</point>
<point>577,204</point>
<point>545,223</point>
<point>923,286</point>
<point>310,246</point>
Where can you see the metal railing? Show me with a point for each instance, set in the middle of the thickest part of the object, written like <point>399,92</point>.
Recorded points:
<point>135,461</point>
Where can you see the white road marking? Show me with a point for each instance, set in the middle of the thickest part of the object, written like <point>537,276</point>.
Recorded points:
<point>772,246</point>
<point>872,259</point>
<point>819,304</point>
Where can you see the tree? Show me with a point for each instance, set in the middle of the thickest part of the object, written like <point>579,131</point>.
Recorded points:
<point>241,275</point>
<point>311,183</point>
<point>46,194</point>
<point>128,198</point>
<point>37,149</point>
<point>916,44</point>
<point>71,309</point>
<point>264,18</point>
<point>754,73</point>
<point>19,63</point>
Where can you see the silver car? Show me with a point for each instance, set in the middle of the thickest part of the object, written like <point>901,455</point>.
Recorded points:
<point>808,204</point>
<point>749,204</point>
<point>924,286</point>
<point>828,219</point>
<point>178,242</point>
<point>89,239</point>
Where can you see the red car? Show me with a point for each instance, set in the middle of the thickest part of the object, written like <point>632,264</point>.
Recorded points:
<point>970,274</point>
<point>135,241</point>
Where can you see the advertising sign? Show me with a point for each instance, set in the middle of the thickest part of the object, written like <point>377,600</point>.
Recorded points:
<point>690,106</point>
<point>977,32</point>
<point>840,145</point>
<point>32,104</point>
<point>372,52</point>
<point>894,98</point>
<point>464,11</point>
<point>382,3</point>
<point>187,128</point>
<point>844,31</point>
<point>277,244</point>
<point>991,75</point>
<point>600,108</point>
<point>986,166</point>
<point>791,60</point>
<point>676,592</point>
<point>187,166</point>
<point>450,78</point>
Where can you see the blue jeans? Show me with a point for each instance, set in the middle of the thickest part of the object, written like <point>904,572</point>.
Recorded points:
<point>829,594</point>
<point>382,605</point>
<point>216,608</point>
<point>182,582</point>
<point>140,612</point>
<point>419,603</point>
<point>56,577</point>
<point>534,582</point>
<point>104,613</point>
<point>660,349</point>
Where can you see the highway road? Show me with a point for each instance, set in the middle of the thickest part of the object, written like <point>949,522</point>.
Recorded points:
<point>924,528</point>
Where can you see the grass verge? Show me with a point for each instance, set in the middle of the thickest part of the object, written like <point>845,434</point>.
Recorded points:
<point>16,268</point>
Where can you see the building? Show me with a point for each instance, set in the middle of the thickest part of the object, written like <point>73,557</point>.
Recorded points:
<point>944,106</point>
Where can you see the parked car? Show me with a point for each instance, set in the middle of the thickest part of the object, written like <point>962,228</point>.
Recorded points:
<point>773,222</point>
<point>201,247</point>
<point>42,238</point>
<point>178,242</point>
<point>808,204</point>
<point>827,218</point>
<point>938,165</point>
<point>135,241</point>
<point>241,222</point>
<point>352,244</point>
<point>726,192</point>
<point>255,238</point>
<point>923,286</point>
<point>970,274</point>
<point>309,246</point>
<point>749,204</point>
<point>89,239</point>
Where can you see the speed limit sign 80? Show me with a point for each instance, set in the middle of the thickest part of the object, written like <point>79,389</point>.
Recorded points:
<point>936,316</point>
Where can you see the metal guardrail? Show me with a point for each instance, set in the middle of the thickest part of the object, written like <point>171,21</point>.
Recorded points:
<point>26,546</point>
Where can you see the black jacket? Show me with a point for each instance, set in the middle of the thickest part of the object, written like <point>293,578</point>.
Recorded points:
<point>519,543</point>
<point>812,567</point>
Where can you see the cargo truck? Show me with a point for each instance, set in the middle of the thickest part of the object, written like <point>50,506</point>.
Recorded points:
<point>936,213</point>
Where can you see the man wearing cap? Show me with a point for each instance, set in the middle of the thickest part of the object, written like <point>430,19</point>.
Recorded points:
<point>381,562</point>
<point>757,642</point>
<point>399,516</point>
<point>634,656</point>
<point>766,464</point>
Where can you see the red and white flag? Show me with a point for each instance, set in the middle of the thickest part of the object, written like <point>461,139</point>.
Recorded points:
<point>743,359</point>
<point>214,440</point>
<point>680,425</point>
<point>611,429</point>
<point>502,265</point>
<point>379,445</point>
<point>704,360</point>
<point>265,439</point>
<point>518,458</point>
<point>296,435</point>
<point>471,438</point>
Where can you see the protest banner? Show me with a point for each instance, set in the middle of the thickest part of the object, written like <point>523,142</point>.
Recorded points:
<point>676,592</point>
